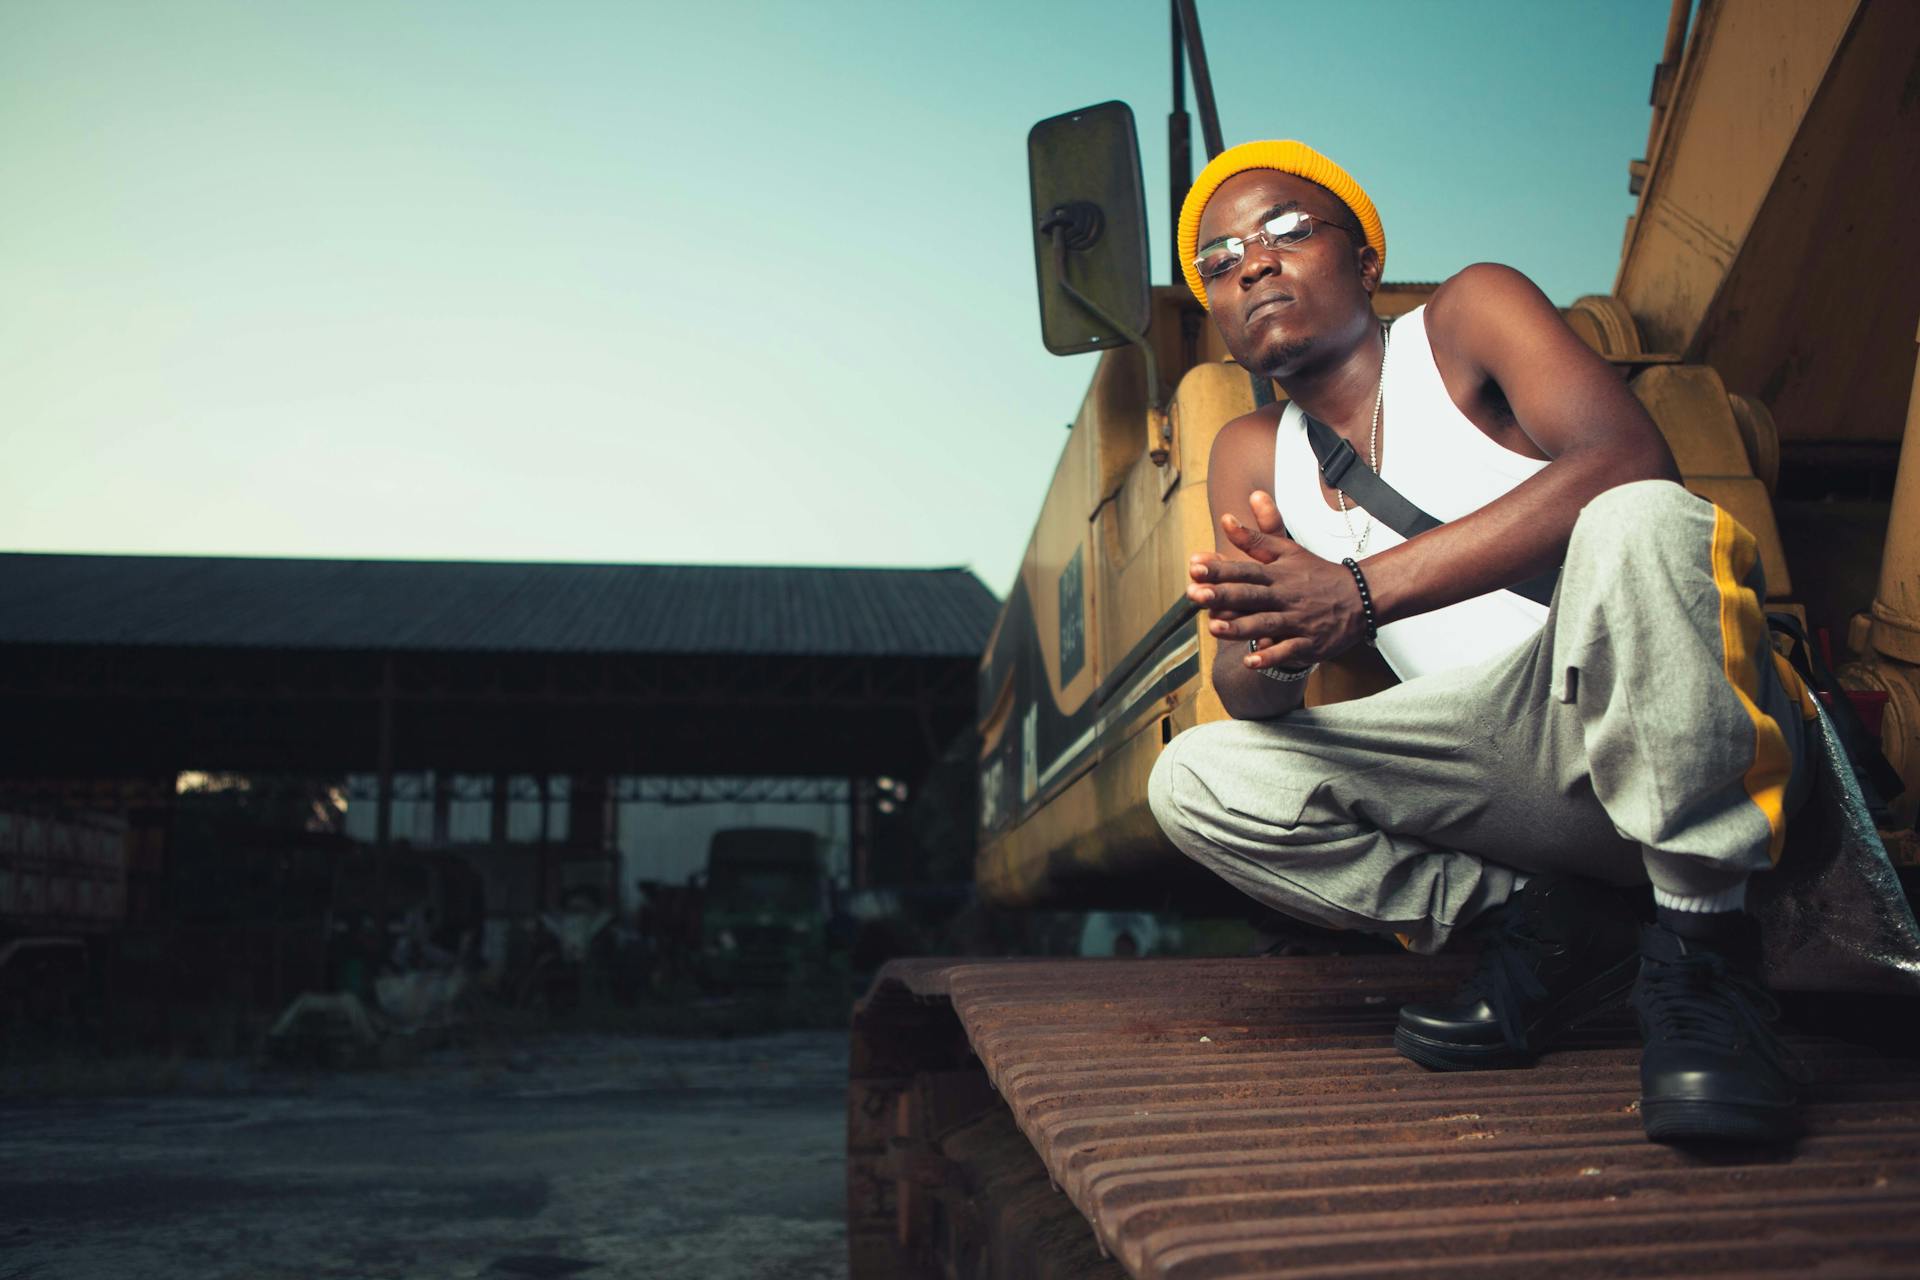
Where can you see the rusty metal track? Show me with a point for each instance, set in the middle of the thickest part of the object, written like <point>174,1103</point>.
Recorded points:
<point>1219,1118</point>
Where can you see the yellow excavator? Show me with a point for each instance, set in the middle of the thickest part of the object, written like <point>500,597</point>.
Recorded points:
<point>1765,310</point>
<point>1782,134</point>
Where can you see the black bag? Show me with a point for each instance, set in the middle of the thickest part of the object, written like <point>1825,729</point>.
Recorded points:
<point>1832,914</point>
<point>1878,779</point>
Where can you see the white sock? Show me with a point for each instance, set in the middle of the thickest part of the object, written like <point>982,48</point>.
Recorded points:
<point>1732,898</point>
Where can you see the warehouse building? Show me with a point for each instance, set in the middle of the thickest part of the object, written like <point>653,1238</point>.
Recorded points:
<point>553,727</point>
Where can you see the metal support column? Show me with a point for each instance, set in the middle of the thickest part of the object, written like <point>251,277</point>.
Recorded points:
<point>383,838</point>
<point>860,831</point>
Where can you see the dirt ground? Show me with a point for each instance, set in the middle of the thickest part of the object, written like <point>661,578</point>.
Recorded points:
<point>592,1155</point>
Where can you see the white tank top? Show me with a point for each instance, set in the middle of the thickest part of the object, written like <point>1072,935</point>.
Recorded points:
<point>1444,465</point>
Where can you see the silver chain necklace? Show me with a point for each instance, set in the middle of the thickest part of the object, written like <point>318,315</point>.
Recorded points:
<point>1373,454</point>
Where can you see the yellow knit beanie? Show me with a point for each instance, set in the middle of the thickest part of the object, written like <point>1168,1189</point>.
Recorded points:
<point>1288,157</point>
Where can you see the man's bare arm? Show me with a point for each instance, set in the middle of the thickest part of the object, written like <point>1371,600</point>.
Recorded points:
<point>1240,463</point>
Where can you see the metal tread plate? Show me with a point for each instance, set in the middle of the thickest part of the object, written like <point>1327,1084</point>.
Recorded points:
<point>1216,1118</point>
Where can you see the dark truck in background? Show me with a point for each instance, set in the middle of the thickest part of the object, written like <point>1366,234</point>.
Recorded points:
<point>764,926</point>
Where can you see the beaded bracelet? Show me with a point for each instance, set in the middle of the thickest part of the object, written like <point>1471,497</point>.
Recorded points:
<point>1366,598</point>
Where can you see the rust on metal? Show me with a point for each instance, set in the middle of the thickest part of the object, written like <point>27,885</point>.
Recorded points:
<point>1217,1118</point>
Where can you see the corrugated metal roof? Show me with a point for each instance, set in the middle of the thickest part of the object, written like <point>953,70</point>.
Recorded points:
<point>1218,1118</point>
<point>380,605</point>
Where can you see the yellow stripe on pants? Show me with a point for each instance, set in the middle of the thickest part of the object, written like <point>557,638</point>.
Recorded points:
<point>1743,635</point>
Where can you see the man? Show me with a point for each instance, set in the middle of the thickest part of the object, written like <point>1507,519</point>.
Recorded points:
<point>1535,767</point>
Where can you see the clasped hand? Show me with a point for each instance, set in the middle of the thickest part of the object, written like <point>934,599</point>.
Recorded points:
<point>1298,608</point>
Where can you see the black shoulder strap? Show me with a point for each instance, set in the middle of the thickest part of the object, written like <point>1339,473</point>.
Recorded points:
<point>1341,467</point>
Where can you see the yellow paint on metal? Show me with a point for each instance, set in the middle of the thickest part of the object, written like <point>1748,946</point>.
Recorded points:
<point>1891,661</point>
<point>1059,534</point>
<point>1689,404</point>
<point>1750,72</point>
<point>1605,324</point>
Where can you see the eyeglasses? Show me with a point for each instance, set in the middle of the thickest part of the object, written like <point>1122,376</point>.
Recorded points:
<point>1287,230</point>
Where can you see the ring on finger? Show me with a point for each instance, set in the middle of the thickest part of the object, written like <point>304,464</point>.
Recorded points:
<point>1284,675</point>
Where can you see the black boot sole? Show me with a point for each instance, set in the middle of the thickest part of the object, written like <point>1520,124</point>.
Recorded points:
<point>1605,991</point>
<point>1443,1055</point>
<point>1698,1120</point>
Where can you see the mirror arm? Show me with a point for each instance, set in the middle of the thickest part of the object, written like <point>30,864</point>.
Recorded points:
<point>1159,425</point>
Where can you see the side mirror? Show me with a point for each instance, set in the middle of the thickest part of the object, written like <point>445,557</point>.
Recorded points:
<point>1089,230</point>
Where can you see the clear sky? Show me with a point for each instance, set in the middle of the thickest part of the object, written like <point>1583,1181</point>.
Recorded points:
<point>627,281</point>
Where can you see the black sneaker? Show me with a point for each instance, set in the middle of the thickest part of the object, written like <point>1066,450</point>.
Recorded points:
<point>1713,1067</point>
<point>1559,952</point>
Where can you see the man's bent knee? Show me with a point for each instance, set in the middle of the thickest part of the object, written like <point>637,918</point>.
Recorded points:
<point>1161,786</point>
<point>1629,510</point>
<point>1631,521</point>
<point>1180,781</point>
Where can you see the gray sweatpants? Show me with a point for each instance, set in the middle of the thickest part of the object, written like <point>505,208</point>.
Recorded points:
<point>1643,734</point>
